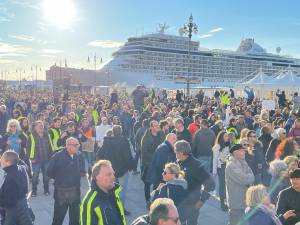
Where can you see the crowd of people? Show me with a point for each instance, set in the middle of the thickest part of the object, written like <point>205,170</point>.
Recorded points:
<point>180,146</point>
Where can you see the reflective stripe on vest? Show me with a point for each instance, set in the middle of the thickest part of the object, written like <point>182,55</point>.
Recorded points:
<point>99,215</point>
<point>88,208</point>
<point>81,206</point>
<point>32,147</point>
<point>95,116</point>
<point>98,209</point>
<point>54,141</point>
<point>120,206</point>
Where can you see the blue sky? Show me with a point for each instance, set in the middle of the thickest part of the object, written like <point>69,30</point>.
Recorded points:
<point>42,32</point>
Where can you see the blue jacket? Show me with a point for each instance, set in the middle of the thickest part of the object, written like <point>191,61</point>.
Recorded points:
<point>257,216</point>
<point>162,155</point>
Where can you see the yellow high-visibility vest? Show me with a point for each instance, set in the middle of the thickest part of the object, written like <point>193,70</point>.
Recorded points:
<point>32,147</point>
<point>95,116</point>
<point>88,199</point>
<point>54,141</point>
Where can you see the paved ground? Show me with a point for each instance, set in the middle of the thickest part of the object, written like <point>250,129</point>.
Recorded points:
<point>43,205</point>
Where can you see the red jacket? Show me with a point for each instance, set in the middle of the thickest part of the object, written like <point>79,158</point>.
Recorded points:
<point>193,128</point>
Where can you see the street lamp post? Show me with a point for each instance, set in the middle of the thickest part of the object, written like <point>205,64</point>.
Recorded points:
<point>188,29</point>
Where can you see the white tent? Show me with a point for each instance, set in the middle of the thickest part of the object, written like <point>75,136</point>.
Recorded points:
<point>287,80</point>
<point>259,80</point>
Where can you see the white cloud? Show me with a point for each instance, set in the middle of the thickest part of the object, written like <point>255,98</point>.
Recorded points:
<point>23,37</point>
<point>51,51</point>
<point>216,30</point>
<point>47,56</point>
<point>206,36</point>
<point>105,44</point>
<point>29,38</point>
<point>6,48</point>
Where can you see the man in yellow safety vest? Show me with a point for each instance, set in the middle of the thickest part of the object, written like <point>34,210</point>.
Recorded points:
<point>102,205</point>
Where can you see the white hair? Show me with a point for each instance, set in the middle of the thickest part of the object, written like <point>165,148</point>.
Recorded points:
<point>276,167</point>
<point>71,139</point>
<point>13,122</point>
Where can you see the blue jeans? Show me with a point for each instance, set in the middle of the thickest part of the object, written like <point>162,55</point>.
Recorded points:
<point>36,168</point>
<point>89,158</point>
<point>206,162</point>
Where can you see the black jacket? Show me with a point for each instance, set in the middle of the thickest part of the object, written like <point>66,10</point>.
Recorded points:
<point>184,135</point>
<point>270,154</point>
<point>196,176</point>
<point>117,151</point>
<point>65,170</point>
<point>149,145</point>
<point>141,220</point>
<point>15,186</point>
<point>289,199</point>
<point>256,160</point>
<point>265,139</point>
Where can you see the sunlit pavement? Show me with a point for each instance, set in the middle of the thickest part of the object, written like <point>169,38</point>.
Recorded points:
<point>42,205</point>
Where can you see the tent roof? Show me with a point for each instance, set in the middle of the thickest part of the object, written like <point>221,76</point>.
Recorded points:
<point>287,79</point>
<point>260,79</point>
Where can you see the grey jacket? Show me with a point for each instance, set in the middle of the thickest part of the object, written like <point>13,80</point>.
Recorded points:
<point>238,177</point>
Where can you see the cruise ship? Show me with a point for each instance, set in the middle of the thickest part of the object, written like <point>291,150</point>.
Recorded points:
<point>163,60</point>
